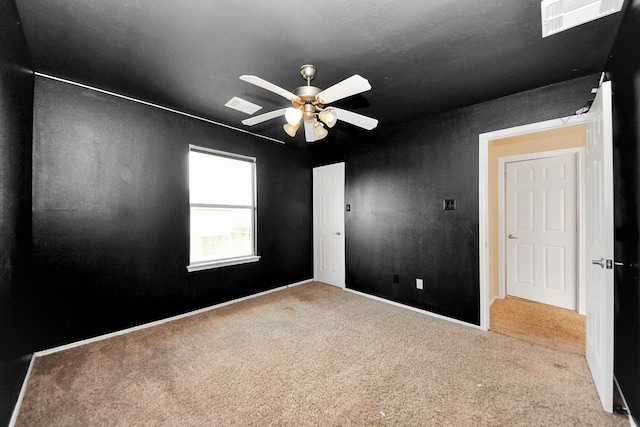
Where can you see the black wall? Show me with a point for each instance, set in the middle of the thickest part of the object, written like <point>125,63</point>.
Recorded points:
<point>111,214</point>
<point>16,107</point>
<point>624,68</point>
<point>110,208</point>
<point>396,181</point>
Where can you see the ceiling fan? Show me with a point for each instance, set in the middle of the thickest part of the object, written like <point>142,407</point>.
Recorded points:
<point>309,104</point>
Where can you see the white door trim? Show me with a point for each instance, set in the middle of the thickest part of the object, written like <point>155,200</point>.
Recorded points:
<point>483,202</point>
<point>578,152</point>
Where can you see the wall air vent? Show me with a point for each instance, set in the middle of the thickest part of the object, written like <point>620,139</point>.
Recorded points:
<point>242,105</point>
<point>560,15</point>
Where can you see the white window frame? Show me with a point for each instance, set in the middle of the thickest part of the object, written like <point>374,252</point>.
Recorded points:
<point>209,264</point>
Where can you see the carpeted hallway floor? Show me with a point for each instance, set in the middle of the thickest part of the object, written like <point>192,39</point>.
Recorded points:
<point>540,323</point>
<point>312,355</point>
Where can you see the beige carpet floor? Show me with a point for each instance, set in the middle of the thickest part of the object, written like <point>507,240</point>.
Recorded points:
<point>540,323</point>
<point>312,355</point>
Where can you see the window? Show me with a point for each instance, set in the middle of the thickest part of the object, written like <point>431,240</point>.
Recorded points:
<point>222,198</point>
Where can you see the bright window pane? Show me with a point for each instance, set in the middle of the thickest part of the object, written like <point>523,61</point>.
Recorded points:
<point>223,211</point>
<point>218,233</point>
<point>219,180</point>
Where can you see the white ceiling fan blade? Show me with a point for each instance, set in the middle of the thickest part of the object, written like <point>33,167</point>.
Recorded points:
<point>270,87</point>
<point>264,117</point>
<point>348,87</point>
<point>356,119</point>
<point>309,136</point>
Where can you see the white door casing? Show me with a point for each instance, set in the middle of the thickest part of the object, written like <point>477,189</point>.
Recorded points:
<point>541,230</point>
<point>599,242</point>
<point>328,224</point>
<point>483,202</point>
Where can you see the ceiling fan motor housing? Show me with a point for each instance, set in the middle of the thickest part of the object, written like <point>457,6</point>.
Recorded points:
<point>307,95</point>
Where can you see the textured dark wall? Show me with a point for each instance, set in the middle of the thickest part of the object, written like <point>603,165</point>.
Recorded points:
<point>396,180</point>
<point>624,68</point>
<point>111,214</point>
<point>16,108</point>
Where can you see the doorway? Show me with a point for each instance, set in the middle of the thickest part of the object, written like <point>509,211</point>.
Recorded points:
<point>597,236</point>
<point>538,137</point>
<point>541,304</point>
<point>536,234</point>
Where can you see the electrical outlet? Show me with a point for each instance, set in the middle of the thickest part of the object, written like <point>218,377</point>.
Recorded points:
<point>396,278</point>
<point>419,284</point>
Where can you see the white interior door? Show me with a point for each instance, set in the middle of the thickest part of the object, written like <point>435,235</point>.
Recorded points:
<point>328,224</point>
<point>541,230</point>
<point>599,245</point>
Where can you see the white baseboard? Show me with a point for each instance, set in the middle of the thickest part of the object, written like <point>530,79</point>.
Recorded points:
<point>418,310</point>
<point>16,409</point>
<point>14,415</point>
<point>300,283</point>
<point>161,321</point>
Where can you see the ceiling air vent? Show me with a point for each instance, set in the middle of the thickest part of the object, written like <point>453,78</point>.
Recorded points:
<point>560,15</point>
<point>242,105</point>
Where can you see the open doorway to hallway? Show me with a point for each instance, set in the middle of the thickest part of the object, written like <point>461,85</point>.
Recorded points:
<point>527,212</point>
<point>595,233</point>
<point>512,313</point>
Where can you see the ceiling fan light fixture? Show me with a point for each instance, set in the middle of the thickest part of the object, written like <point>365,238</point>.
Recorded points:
<point>328,117</point>
<point>319,131</point>
<point>291,129</point>
<point>293,115</point>
<point>310,104</point>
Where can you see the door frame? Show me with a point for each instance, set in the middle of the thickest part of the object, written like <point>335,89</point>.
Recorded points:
<point>483,195</point>
<point>578,153</point>
<point>343,166</point>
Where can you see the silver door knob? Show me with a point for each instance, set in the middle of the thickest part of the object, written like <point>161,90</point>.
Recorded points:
<point>601,262</point>
<point>511,236</point>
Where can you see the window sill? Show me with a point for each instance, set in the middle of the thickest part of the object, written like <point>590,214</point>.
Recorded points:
<point>206,265</point>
